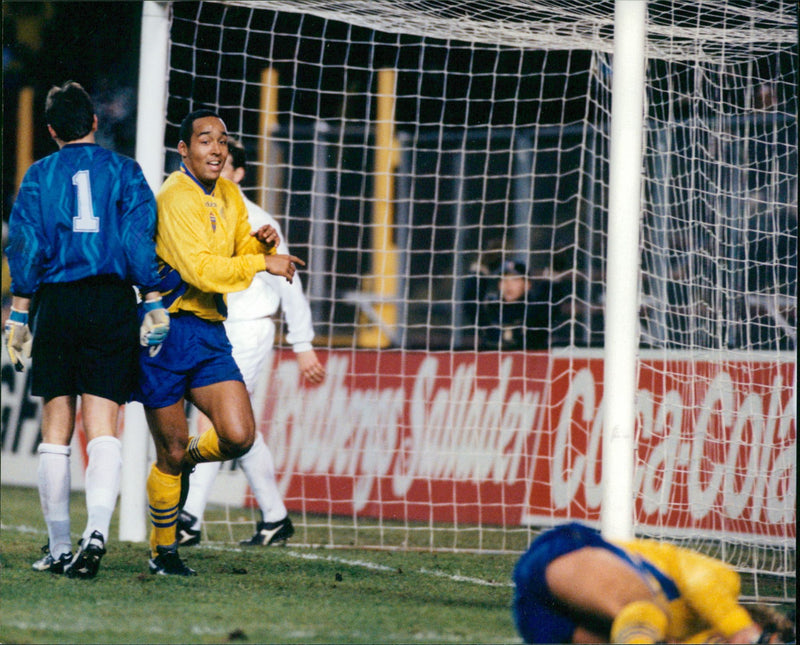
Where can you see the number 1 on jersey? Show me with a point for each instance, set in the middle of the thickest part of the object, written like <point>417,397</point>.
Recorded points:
<point>85,222</point>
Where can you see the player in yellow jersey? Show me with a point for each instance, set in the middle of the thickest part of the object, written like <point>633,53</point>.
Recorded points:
<point>573,586</point>
<point>206,249</point>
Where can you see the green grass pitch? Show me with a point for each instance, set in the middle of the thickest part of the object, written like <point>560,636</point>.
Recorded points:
<point>255,595</point>
<point>274,595</point>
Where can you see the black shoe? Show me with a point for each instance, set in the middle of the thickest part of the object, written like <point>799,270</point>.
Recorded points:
<point>186,535</point>
<point>269,533</point>
<point>87,560</point>
<point>169,563</point>
<point>186,471</point>
<point>51,564</point>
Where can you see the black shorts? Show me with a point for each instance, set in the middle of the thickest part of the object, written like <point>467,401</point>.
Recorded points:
<point>85,339</point>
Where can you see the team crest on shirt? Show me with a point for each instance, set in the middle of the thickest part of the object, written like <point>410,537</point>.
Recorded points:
<point>213,219</point>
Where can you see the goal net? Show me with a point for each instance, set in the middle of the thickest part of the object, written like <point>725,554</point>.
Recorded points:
<point>413,151</point>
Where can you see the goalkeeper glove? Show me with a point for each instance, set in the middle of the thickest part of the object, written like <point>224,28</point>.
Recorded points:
<point>155,326</point>
<point>18,339</point>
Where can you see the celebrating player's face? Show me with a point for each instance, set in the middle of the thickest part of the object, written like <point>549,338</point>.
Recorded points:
<point>207,151</point>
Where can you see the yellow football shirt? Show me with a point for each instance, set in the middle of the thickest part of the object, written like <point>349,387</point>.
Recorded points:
<point>206,237</point>
<point>708,589</point>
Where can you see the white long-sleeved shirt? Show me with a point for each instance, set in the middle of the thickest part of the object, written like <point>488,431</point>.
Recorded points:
<point>268,292</point>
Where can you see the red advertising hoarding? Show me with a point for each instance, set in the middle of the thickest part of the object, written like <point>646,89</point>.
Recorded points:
<point>514,438</point>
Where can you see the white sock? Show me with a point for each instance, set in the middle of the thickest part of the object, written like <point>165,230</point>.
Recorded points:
<point>200,483</point>
<point>54,486</point>
<point>259,468</point>
<point>103,474</point>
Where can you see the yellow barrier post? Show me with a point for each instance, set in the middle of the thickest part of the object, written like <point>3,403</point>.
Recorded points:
<point>384,252</point>
<point>268,123</point>
<point>24,133</point>
<point>24,160</point>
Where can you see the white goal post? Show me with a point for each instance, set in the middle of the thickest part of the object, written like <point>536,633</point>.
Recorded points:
<point>622,292</point>
<point>649,185</point>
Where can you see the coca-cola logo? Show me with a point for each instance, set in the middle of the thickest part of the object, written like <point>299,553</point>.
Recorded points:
<point>729,456</point>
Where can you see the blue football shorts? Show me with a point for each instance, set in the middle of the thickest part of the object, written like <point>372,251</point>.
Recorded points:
<point>537,614</point>
<point>195,353</point>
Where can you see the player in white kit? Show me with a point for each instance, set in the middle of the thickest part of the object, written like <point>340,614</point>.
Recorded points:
<point>251,331</point>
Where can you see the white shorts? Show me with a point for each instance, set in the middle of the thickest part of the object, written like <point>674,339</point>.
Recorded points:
<point>252,342</point>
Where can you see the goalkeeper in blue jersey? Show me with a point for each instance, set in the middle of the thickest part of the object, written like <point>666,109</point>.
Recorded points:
<point>80,237</point>
<point>573,586</point>
<point>205,244</point>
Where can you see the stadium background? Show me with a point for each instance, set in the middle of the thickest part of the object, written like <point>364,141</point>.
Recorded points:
<point>97,44</point>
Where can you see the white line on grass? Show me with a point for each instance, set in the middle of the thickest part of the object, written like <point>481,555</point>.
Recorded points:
<point>22,529</point>
<point>460,578</point>
<point>369,565</point>
<point>383,567</point>
<point>328,558</point>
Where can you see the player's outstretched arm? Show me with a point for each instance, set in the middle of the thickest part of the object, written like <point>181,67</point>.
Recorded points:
<point>283,265</point>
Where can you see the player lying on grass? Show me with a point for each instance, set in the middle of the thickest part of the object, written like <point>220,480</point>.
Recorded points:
<point>205,244</point>
<point>573,586</point>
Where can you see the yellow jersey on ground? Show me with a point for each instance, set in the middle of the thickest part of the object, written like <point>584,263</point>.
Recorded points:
<point>701,592</point>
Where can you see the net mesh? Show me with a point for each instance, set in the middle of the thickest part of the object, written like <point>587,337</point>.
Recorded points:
<point>411,150</point>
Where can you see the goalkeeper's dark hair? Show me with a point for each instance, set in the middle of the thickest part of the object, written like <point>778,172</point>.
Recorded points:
<point>237,153</point>
<point>187,125</point>
<point>69,110</point>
